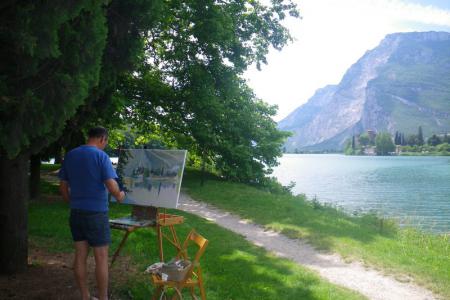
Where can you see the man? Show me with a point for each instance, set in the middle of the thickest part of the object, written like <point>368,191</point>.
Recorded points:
<point>85,173</point>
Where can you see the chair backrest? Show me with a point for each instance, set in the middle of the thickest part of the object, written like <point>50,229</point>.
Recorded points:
<point>200,242</point>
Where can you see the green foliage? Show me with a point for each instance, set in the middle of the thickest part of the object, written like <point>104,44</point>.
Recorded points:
<point>384,144</point>
<point>435,146</point>
<point>434,140</point>
<point>51,60</point>
<point>174,68</point>
<point>348,147</point>
<point>412,140</point>
<point>191,85</point>
<point>128,25</point>
<point>364,139</point>
<point>163,66</point>
<point>444,147</point>
<point>420,140</point>
<point>357,144</point>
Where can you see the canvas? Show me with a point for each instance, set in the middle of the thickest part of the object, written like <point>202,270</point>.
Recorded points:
<point>151,177</point>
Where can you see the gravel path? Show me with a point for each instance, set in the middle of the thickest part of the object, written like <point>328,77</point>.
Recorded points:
<point>355,276</point>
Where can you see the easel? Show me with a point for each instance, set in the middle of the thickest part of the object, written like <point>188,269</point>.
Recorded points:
<point>143,217</point>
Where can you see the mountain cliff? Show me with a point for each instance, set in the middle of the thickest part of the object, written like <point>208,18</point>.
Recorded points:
<point>400,85</point>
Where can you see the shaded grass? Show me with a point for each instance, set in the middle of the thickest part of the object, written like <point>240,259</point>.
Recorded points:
<point>50,188</point>
<point>233,268</point>
<point>425,257</point>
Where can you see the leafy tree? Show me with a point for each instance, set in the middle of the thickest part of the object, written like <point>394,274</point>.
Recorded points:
<point>128,24</point>
<point>420,140</point>
<point>70,65</point>
<point>384,144</point>
<point>412,140</point>
<point>348,147</point>
<point>364,139</point>
<point>192,84</point>
<point>51,56</point>
<point>434,140</point>
<point>397,139</point>
<point>444,147</point>
<point>446,138</point>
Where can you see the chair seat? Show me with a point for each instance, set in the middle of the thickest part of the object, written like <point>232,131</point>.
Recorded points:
<point>156,280</point>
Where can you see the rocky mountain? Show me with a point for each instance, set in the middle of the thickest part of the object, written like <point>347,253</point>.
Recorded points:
<point>400,85</point>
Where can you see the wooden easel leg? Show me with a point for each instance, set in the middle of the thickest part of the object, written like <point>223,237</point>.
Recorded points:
<point>157,293</point>
<point>160,245</point>
<point>176,242</point>
<point>120,247</point>
<point>177,293</point>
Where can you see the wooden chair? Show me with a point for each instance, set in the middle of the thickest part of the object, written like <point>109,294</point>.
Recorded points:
<point>193,276</point>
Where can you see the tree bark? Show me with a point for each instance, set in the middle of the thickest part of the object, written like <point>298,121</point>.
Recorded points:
<point>35,176</point>
<point>13,214</point>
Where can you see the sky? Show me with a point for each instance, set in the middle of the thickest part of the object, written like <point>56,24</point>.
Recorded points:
<point>330,37</point>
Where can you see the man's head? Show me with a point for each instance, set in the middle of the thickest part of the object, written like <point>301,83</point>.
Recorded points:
<point>98,136</point>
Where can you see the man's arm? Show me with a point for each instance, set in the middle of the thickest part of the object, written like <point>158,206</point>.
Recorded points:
<point>64,190</point>
<point>113,188</point>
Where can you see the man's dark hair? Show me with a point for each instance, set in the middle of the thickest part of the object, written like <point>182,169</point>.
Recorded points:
<point>97,132</point>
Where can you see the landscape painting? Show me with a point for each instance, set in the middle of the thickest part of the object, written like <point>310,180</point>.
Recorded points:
<point>151,177</point>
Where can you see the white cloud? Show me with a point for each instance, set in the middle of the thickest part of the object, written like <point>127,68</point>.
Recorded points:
<point>330,37</point>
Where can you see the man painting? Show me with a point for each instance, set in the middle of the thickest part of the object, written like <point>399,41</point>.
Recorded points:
<point>85,175</point>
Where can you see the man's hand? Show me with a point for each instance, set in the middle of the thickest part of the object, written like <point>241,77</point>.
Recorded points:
<point>121,196</point>
<point>113,188</point>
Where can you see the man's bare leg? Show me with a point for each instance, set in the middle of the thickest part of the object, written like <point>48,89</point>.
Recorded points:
<point>101,271</point>
<point>80,268</point>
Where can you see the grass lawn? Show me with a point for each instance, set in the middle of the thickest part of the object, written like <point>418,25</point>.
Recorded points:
<point>233,268</point>
<point>425,257</point>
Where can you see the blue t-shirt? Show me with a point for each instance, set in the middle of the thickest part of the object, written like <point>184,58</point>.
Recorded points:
<point>85,169</point>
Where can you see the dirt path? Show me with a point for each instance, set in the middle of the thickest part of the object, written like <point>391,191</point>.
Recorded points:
<point>355,276</point>
<point>49,276</point>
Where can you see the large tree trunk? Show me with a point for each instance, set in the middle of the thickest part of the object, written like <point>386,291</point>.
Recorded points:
<point>35,176</point>
<point>13,214</point>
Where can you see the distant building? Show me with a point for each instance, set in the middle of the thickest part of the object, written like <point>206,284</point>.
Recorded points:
<point>370,150</point>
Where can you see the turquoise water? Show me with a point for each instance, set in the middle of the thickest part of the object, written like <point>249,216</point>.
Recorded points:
<point>413,190</point>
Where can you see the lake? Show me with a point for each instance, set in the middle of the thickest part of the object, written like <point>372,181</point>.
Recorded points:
<point>415,190</point>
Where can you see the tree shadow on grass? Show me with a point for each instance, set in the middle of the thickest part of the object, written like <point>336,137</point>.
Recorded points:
<point>233,268</point>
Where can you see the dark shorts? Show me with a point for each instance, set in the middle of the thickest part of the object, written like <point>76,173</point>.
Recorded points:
<point>90,226</point>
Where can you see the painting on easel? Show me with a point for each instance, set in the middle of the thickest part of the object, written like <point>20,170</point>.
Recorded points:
<point>151,177</point>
